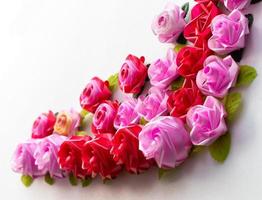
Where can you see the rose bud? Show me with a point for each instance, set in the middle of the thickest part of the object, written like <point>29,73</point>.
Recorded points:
<point>103,120</point>
<point>97,159</point>
<point>43,125</point>
<point>206,122</point>
<point>94,93</point>
<point>166,140</point>
<point>132,74</point>
<point>125,150</point>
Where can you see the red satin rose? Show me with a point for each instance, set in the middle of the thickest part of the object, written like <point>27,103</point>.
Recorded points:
<point>190,60</point>
<point>94,93</point>
<point>103,120</point>
<point>181,100</point>
<point>97,159</point>
<point>69,155</point>
<point>198,29</point>
<point>132,74</point>
<point>126,152</point>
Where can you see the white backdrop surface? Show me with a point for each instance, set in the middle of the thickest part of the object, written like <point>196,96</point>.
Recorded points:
<point>49,49</point>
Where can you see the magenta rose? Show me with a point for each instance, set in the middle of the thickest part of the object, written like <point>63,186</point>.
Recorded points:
<point>228,32</point>
<point>46,155</point>
<point>153,104</point>
<point>103,121</point>
<point>163,71</point>
<point>236,4</point>
<point>169,24</point>
<point>166,140</point>
<point>94,93</point>
<point>206,121</point>
<point>23,160</point>
<point>217,76</point>
<point>132,74</point>
<point>126,114</point>
<point>43,125</point>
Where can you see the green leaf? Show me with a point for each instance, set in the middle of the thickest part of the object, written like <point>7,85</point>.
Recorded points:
<point>162,172</point>
<point>232,104</point>
<point>83,113</point>
<point>49,180</point>
<point>81,133</point>
<point>113,81</point>
<point>178,47</point>
<point>176,84</point>
<point>219,150</point>
<point>181,39</point>
<point>86,182</point>
<point>72,179</point>
<point>143,121</point>
<point>246,75</point>
<point>26,180</point>
<point>197,149</point>
<point>185,8</point>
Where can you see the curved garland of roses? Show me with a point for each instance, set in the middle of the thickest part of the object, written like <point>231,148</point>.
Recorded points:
<point>188,106</point>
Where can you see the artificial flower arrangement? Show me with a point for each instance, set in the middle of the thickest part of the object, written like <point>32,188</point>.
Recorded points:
<point>187,107</point>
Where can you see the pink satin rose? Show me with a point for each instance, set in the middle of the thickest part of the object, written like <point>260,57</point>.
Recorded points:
<point>236,4</point>
<point>217,76</point>
<point>169,24</point>
<point>126,114</point>
<point>206,122</point>
<point>163,71</point>
<point>103,121</point>
<point>166,140</point>
<point>153,104</point>
<point>43,125</point>
<point>67,122</point>
<point>94,93</point>
<point>228,32</point>
<point>132,74</point>
<point>46,155</point>
<point>23,160</point>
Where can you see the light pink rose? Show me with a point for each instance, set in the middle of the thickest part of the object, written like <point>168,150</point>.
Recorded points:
<point>217,76</point>
<point>23,160</point>
<point>43,125</point>
<point>152,105</point>
<point>166,140</point>
<point>169,24</point>
<point>163,71</point>
<point>103,120</point>
<point>206,121</point>
<point>228,32</point>
<point>126,114</point>
<point>236,4</point>
<point>46,155</point>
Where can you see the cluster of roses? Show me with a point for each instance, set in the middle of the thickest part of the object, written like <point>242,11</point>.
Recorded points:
<point>182,107</point>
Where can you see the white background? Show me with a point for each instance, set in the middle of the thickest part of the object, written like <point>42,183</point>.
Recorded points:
<point>49,49</point>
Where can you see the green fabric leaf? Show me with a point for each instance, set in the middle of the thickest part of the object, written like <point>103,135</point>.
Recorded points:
<point>113,81</point>
<point>185,8</point>
<point>246,75</point>
<point>86,182</point>
<point>162,172</point>
<point>26,180</point>
<point>178,47</point>
<point>83,113</point>
<point>181,39</point>
<point>219,150</point>
<point>197,149</point>
<point>49,180</point>
<point>232,104</point>
<point>81,133</point>
<point>143,121</point>
<point>250,18</point>
<point>176,84</point>
<point>72,179</point>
